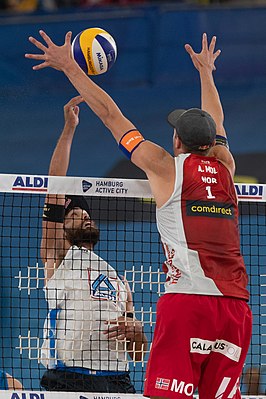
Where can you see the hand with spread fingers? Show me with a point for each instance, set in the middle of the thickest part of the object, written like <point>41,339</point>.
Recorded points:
<point>207,57</point>
<point>57,57</point>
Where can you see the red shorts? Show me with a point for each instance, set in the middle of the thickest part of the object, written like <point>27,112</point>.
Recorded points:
<point>199,342</point>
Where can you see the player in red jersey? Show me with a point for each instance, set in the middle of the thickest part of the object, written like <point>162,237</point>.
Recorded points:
<point>203,325</point>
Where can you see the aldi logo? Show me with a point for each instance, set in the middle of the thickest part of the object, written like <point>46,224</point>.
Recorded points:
<point>162,383</point>
<point>30,395</point>
<point>249,191</point>
<point>30,183</point>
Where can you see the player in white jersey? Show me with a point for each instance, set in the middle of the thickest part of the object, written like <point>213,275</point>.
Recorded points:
<point>90,328</point>
<point>203,325</point>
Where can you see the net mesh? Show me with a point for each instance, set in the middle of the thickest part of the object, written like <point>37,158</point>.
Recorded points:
<point>129,242</point>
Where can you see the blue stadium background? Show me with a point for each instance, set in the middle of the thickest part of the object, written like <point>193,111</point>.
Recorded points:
<point>152,75</point>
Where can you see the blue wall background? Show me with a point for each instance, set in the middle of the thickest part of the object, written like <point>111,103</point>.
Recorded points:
<point>153,74</point>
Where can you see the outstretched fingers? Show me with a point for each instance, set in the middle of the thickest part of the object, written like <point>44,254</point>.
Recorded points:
<point>38,44</point>
<point>194,56</point>
<point>204,42</point>
<point>40,66</point>
<point>189,50</point>
<point>68,38</point>
<point>46,38</point>
<point>212,44</point>
<point>38,57</point>
<point>216,54</point>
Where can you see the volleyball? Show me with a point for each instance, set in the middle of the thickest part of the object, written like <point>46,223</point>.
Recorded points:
<point>94,50</point>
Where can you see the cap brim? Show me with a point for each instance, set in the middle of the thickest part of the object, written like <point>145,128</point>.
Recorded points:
<point>173,117</point>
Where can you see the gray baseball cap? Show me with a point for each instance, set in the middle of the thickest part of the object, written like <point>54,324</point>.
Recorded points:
<point>195,127</point>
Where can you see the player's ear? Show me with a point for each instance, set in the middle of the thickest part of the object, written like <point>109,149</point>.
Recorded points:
<point>176,141</point>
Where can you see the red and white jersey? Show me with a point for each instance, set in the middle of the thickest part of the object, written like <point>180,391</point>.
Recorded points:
<point>199,231</point>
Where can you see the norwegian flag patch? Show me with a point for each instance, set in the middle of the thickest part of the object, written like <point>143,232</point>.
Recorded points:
<point>162,383</point>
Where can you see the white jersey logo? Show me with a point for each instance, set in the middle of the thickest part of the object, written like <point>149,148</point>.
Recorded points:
<point>102,288</point>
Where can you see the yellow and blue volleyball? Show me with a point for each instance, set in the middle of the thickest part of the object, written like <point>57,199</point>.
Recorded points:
<point>94,50</point>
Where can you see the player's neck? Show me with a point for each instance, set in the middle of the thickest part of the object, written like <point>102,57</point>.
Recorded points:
<point>87,245</point>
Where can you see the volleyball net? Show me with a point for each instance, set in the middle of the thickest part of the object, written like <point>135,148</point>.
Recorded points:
<point>129,243</point>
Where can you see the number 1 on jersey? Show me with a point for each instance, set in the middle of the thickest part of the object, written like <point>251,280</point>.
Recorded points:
<point>209,196</point>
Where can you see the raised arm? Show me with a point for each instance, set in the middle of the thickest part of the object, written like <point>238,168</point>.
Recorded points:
<point>157,163</point>
<point>59,57</point>
<point>210,99</point>
<point>52,245</point>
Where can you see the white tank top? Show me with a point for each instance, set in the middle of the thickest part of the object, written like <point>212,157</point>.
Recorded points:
<point>83,293</point>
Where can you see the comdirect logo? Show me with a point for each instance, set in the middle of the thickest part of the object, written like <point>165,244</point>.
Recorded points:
<point>210,209</point>
<point>31,183</point>
<point>86,185</point>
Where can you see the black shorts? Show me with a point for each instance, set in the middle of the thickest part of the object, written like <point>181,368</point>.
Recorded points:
<point>60,380</point>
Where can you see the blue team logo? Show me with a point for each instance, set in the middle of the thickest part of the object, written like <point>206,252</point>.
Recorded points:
<point>102,288</point>
<point>86,185</point>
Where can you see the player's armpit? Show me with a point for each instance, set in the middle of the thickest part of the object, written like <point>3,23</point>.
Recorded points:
<point>159,167</point>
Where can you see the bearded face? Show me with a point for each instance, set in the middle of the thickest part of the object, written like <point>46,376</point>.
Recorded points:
<point>80,229</point>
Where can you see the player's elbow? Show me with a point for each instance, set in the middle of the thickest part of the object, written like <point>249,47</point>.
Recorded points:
<point>115,121</point>
<point>106,111</point>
